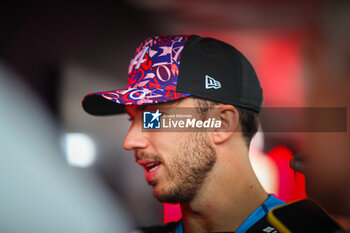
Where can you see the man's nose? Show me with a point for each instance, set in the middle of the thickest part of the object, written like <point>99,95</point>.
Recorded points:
<point>135,138</point>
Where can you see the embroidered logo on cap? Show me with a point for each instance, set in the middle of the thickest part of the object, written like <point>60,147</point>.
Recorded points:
<point>211,83</point>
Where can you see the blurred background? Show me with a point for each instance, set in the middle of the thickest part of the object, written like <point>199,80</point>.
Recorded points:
<point>58,51</point>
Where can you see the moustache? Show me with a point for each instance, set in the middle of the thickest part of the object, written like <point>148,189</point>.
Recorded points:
<point>147,156</point>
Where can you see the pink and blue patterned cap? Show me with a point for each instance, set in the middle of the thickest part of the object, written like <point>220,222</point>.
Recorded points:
<point>167,68</point>
<point>153,75</point>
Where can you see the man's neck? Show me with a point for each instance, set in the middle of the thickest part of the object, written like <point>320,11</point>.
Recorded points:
<point>226,199</point>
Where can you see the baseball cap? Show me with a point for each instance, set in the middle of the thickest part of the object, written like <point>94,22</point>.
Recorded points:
<point>168,68</point>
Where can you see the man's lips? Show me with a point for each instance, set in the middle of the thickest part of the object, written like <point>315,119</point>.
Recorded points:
<point>151,167</point>
<point>148,165</point>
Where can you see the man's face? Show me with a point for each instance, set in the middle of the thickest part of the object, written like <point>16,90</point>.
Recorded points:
<point>176,163</point>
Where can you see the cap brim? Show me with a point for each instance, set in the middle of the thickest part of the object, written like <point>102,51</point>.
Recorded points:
<point>114,102</point>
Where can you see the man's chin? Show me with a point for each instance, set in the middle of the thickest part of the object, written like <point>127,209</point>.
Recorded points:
<point>158,194</point>
<point>163,196</point>
<point>171,197</point>
<point>166,199</point>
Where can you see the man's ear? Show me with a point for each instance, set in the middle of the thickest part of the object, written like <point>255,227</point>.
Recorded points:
<point>229,117</point>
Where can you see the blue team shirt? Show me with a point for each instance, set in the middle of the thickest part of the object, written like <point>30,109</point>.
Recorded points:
<point>258,214</point>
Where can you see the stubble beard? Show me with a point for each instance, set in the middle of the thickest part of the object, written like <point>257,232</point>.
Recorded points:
<point>187,169</point>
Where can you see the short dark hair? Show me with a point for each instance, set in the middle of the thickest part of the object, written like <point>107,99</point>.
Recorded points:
<point>248,119</point>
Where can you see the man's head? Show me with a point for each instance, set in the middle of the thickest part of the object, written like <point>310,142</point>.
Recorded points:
<point>170,72</point>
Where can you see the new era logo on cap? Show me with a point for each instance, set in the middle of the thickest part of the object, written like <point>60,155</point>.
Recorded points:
<point>211,83</point>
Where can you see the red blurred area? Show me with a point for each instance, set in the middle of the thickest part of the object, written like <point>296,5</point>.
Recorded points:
<point>172,213</point>
<point>280,71</point>
<point>291,184</point>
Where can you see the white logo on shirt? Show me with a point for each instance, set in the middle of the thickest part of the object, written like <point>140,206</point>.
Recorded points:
<point>270,230</point>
